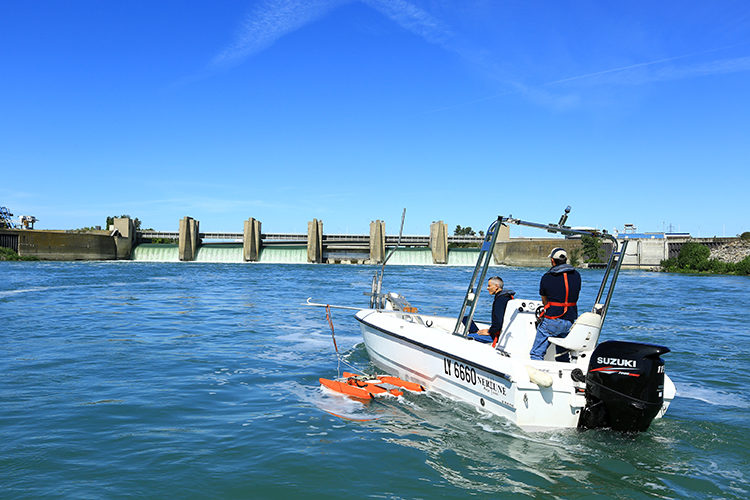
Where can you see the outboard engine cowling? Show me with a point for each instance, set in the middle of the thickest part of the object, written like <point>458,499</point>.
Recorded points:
<point>624,386</point>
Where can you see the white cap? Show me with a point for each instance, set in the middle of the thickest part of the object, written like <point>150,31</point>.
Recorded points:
<point>558,253</point>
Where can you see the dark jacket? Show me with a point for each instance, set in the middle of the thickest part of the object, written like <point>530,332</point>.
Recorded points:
<point>552,286</point>
<point>498,311</point>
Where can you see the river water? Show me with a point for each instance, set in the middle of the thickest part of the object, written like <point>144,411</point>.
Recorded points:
<point>174,380</point>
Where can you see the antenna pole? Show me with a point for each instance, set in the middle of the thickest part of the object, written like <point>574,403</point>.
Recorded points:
<point>378,280</point>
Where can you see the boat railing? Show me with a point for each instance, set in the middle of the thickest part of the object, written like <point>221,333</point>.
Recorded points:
<point>609,279</point>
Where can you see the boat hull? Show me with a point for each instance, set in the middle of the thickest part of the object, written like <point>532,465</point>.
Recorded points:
<point>530,393</point>
<point>471,372</point>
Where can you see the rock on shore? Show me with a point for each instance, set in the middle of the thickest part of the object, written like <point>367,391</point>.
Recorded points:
<point>733,252</point>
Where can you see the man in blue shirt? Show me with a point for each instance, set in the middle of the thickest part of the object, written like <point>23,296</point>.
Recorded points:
<point>559,288</point>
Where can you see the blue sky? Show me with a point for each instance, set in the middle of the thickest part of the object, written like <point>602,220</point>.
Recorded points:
<point>350,110</point>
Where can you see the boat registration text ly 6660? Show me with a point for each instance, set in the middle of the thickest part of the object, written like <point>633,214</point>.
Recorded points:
<point>460,371</point>
<point>469,375</point>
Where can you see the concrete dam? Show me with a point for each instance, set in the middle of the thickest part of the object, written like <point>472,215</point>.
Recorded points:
<point>123,242</point>
<point>299,248</point>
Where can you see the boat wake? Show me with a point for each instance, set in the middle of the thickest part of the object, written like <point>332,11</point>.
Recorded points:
<point>713,397</point>
<point>35,289</point>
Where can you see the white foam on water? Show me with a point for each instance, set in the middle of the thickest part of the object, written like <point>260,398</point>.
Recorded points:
<point>712,397</point>
<point>283,255</point>
<point>156,253</point>
<point>411,257</point>
<point>9,293</point>
<point>336,404</point>
<point>219,254</point>
<point>33,289</point>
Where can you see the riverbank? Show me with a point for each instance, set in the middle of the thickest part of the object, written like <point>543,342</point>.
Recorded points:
<point>730,258</point>
<point>732,252</point>
<point>7,254</point>
<point>725,257</point>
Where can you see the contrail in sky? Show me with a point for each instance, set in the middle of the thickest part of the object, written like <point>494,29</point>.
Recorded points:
<point>269,21</point>
<point>413,19</point>
<point>632,74</point>
<point>716,67</point>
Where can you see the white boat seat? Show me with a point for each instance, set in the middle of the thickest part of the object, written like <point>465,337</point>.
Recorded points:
<point>583,335</point>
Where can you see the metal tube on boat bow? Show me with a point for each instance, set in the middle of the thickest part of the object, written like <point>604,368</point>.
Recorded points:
<point>314,304</point>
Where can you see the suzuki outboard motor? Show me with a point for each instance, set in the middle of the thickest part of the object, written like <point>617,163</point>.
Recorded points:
<point>624,386</point>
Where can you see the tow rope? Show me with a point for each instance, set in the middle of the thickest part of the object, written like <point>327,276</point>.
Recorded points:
<point>339,357</point>
<point>330,323</point>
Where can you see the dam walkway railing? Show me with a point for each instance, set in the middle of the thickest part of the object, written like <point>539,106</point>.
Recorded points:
<point>353,240</point>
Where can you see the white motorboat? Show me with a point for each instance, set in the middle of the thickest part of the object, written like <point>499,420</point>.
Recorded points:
<point>614,384</point>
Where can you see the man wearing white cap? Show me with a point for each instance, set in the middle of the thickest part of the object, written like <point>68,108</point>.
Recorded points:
<point>559,288</point>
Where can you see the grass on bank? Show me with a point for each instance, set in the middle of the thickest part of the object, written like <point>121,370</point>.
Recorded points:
<point>9,254</point>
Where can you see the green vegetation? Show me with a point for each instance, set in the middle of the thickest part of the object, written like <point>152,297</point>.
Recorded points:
<point>745,236</point>
<point>592,248</point>
<point>9,254</point>
<point>574,257</point>
<point>694,258</point>
<point>465,231</point>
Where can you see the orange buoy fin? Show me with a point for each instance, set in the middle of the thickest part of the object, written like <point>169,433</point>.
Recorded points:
<point>372,388</point>
<point>411,386</point>
<point>358,389</point>
<point>343,388</point>
<point>386,379</point>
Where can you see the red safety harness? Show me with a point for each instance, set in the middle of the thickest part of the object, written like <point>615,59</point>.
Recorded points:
<point>564,305</point>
